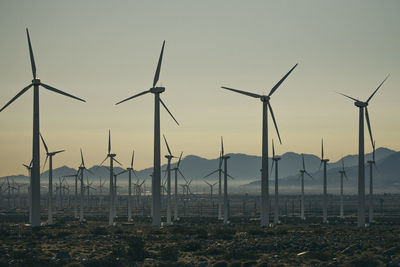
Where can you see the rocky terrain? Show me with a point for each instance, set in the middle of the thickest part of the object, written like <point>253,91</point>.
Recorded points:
<point>200,242</point>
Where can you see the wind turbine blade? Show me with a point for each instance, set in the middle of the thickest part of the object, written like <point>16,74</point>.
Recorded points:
<point>304,165</point>
<point>168,111</point>
<point>183,176</point>
<point>117,161</point>
<point>33,65</point>
<point>59,151</point>
<point>48,87</point>
<point>377,89</point>
<point>210,174</point>
<point>134,173</point>
<point>229,175</point>
<point>320,165</point>
<point>101,164</point>
<point>306,172</point>
<point>273,149</point>
<point>220,160</point>
<point>15,97</point>
<point>133,155</point>
<point>166,143</point>
<point>44,143</point>
<point>179,161</point>
<point>281,81</point>
<point>129,98</point>
<point>89,171</point>
<point>322,148</point>
<point>369,126</point>
<point>222,146</point>
<point>82,161</point>
<point>44,165</point>
<point>124,171</point>
<point>157,74</point>
<point>242,92</point>
<point>345,176</point>
<point>207,183</point>
<point>373,151</point>
<point>109,141</point>
<point>273,119</point>
<point>272,166</point>
<point>352,98</point>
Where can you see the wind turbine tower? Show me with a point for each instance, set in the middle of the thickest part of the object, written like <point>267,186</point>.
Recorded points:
<point>342,174</point>
<point>371,163</point>
<point>324,161</point>
<point>275,160</point>
<point>302,172</point>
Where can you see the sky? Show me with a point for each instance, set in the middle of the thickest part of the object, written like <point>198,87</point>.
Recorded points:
<point>106,51</point>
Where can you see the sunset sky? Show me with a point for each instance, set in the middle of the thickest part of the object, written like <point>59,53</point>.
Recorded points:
<point>106,51</point>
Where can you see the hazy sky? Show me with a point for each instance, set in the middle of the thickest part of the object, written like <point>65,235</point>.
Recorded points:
<point>105,51</point>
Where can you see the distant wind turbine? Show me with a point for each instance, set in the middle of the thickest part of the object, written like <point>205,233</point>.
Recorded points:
<point>50,197</point>
<point>275,160</point>
<point>130,170</point>
<point>265,99</point>
<point>302,172</point>
<point>156,184</point>
<point>361,164</point>
<point>110,155</point>
<point>342,174</point>
<point>169,157</point>
<point>324,161</point>
<point>81,170</point>
<point>211,191</point>
<point>35,180</point>
<point>176,169</point>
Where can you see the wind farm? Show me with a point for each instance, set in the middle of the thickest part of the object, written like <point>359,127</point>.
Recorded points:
<point>218,188</point>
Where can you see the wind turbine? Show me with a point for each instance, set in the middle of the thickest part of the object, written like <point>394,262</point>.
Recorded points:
<point>211,191</point>
<point>156,185</point>
<point>342,174</point>
<point>130,170</point>
<point>324,161</point>
<point>112,198</point>
<point>225,159</point>
<point>116,193</point>
<point>35,180</point>
<point>220,171</point>
<point>82,168</point>
<point>265,99</point>
<point>361,164</point>
<point>371,163</point>
<point>101,186</point>
<point>29,169</point>
<point>169,157</point>
<point>176,169</point>
<point>76,192</point>
<point>275,160</point>
<point>302,172</point>
<point>49,155</point>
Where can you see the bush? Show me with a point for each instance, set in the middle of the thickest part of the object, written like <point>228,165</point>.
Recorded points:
<point>224,233</point>
<point>192,246</point>
<point>136,250</point>
<point>365,260</point>
<point>240,253</point>
<point>169,253</point>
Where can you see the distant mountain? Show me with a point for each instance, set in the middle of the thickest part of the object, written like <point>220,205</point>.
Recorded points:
<point>246,170</point>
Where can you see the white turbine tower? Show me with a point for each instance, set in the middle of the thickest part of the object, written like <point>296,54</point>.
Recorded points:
<point>81,170</point>
<point>50,155</point>
<point>265,99</point>
<point>130,170</point>
<point>275,160</point>
<point>324,161</point>
<point>110,155</point>
<point>169,157</point>
<point>342,174</point>
<point>371,163</point>
<point>176,169</point>
<point>156,185</point>
<point>302,172</point>
<point>35,179</point>
<point>211,191</point>
<point>362,106</point>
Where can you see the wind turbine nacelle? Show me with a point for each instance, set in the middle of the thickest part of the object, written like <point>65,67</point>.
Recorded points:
<point>36,81</point>
<point>360,104</point>
<point>157,90</point>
